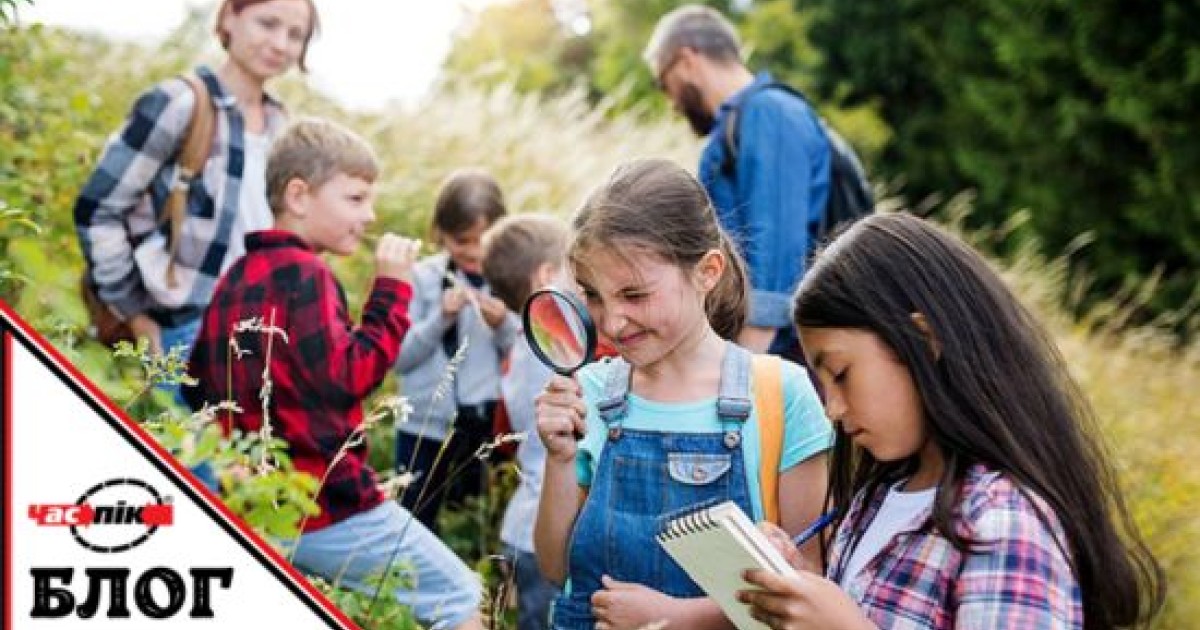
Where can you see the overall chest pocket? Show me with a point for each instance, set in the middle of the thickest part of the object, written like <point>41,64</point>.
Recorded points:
<point>698,469</point>
<point>697,478</point>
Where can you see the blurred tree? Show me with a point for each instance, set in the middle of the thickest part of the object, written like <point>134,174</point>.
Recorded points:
<point>1081,112</point>
<point>774,34</point>
<point>540,45</point>
<point>525,43</point>
<point>622,29</point>
<point>549,45</point>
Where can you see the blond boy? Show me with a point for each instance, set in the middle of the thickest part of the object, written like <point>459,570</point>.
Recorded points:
<point>298,333</point>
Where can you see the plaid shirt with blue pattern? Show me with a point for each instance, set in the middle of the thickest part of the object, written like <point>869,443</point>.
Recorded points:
<point>1016,577</point>
<point>117,214</point>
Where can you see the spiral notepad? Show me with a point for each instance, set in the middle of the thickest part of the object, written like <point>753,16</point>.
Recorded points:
<point>714,545</point>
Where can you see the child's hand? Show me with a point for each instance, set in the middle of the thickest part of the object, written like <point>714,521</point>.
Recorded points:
<point>626,606</point>
<point>395,255</point>
<point>453,301</point>
<point>142,326</point>
<point>493,310</point>
<point>561,415</point>
<point>782,542</point>
<point>801,601</point>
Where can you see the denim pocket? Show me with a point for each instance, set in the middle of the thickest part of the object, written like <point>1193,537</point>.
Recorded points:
<point>698,469</point>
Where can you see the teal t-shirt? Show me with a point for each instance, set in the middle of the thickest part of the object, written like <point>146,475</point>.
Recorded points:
<point>806,430</point>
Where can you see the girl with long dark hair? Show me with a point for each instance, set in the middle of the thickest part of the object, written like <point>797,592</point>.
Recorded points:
<point>971,486</point>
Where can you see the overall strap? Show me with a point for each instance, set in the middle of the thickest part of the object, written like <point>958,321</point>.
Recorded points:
<point>733,398</point>
<point>615,399</point>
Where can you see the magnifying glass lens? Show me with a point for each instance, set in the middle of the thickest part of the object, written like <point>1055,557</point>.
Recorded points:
<point>559,330</point>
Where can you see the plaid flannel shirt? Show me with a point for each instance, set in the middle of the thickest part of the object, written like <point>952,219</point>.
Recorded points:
<point>320,372</point>
<point>1018,578</point>
<point>117,214</point>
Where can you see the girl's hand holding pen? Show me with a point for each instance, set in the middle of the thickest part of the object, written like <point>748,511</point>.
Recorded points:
<point>561,418</point>
<point>803,600</point>
<point>789,546</point>
<point>782,542</point>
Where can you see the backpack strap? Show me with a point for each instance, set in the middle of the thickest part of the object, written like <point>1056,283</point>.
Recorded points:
<point>193,154</point>
<point>733,123</point>
<point>768,401</point>
<point>850,193</point>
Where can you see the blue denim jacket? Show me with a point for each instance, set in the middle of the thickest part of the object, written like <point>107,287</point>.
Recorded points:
<point>772,203</point>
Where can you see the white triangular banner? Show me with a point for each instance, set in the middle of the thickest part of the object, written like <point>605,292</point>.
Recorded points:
<point>89,495</point>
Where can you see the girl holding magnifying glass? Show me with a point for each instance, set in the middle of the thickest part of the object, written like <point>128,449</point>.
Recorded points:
<point>667,425</point>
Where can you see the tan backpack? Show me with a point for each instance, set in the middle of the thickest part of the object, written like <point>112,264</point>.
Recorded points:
<point>768,403</point>
<point>193,154</point>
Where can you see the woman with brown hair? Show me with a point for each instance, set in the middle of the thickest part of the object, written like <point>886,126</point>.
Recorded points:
<point>156,273</point>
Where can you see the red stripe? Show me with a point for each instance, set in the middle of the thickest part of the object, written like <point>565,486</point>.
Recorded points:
<point>8,475</point>
<point>52,353</point>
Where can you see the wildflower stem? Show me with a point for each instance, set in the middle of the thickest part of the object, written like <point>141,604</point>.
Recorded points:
<point>411,517</point>
<point>264,395</point>
<point>443,388</point>
<point>229,380</point>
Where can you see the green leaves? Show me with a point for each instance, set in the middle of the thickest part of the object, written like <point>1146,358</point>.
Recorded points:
<point>1077,111</point>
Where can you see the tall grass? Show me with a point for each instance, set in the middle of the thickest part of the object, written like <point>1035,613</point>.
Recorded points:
<point>546,153</point>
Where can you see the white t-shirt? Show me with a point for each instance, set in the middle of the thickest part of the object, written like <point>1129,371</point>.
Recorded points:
<point>898,513</point>
<point>253,211</point>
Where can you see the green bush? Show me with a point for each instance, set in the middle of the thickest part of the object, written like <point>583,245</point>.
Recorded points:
<point>1078,111</point>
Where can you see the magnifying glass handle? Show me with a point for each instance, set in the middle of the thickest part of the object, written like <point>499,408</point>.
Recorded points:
<point>576,433</point>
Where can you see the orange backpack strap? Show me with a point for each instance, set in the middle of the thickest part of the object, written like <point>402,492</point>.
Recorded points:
<point>193,154</point>
<point>767,373</point>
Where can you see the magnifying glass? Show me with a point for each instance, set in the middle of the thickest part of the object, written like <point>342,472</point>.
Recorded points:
<point>559,330</point>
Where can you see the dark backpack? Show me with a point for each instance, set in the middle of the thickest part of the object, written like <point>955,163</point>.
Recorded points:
<point>850,195</point>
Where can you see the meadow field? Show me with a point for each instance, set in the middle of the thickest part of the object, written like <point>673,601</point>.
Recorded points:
<point>60,95</point>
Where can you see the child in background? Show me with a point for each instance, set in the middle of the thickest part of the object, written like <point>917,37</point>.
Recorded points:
<point>669,424</point>
<point>524,253</point>
<point>967,468</point>
<point>320,180</point>
<point>452,306</point>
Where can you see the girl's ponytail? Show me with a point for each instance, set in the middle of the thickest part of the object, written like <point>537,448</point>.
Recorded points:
<point>729,302</point>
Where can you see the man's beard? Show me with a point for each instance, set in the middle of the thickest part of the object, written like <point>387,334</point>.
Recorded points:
<point>691,105</point>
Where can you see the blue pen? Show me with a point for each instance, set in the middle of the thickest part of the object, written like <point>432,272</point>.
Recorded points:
<point>814,529</point>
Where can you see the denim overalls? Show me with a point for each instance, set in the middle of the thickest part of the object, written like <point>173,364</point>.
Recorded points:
<point>643,477</point>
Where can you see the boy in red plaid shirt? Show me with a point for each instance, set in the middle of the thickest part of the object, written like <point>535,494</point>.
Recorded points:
<point>298,333</point>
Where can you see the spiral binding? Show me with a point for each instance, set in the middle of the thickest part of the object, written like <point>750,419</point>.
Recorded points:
<point>688,524</point>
